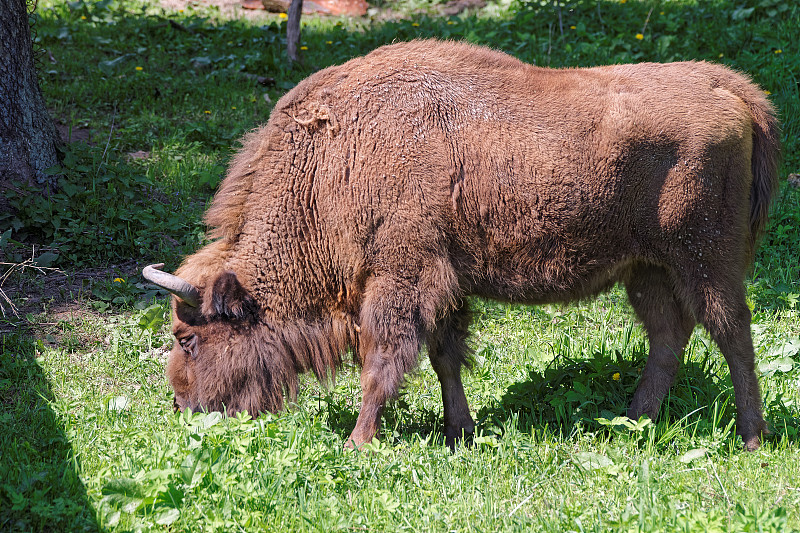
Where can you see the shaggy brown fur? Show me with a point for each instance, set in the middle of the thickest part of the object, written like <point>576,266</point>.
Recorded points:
<point>384,191</point>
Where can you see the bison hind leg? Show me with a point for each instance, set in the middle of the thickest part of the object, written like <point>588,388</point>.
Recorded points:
<point>668,325</point>
<point>724,313</point>
<point>448,352</point>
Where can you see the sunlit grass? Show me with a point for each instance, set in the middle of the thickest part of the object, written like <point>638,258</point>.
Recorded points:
<point>142,464</point>
<point>89,439</point>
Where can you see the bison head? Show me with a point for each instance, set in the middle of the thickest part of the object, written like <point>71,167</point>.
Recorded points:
<point>223,358</point>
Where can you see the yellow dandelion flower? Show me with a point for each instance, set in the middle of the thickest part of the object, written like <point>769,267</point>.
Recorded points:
<point>233,107</point>
<point>622,1</point>
<point>328,42</point>
<point>778,51</point>
<point>450,22</point>
<point>572,27</point>
<point>83,17</point>
<point>415,24</point>
<point>721,56</point>
<point>180,11</point>
<point>768,93</point>
<point>119,280</point>
<point>304,48</point>
<point>639,36</point>
<point>207,112</point>
<point>283,15</point>
<point>139,68</point>
<point>616,376</point>
<point>660,12</point>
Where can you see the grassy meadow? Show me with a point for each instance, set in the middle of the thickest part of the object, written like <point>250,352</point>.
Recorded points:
<point>88,437</point>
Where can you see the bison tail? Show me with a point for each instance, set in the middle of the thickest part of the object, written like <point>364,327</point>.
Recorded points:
<point>765,160</point>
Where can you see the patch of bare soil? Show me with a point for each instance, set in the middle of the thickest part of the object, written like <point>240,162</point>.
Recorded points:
<point>454,7</point>
<point>229,8</point>
<point>259,8</point>
<point>71,134</point>
<point>60,294</point>
<point>256,8</point>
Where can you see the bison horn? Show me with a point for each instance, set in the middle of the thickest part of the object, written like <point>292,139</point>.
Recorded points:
<point>177,286</point>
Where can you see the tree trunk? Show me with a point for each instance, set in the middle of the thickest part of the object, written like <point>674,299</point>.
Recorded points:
<point>28,138</point>
<point>292,29</point>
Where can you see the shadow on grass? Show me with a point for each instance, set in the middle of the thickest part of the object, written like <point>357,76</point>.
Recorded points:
<point>572,392</point>
<point>578,392</point>
<point>783,420</point>
<point>40,489</point>
<point>399,419</point>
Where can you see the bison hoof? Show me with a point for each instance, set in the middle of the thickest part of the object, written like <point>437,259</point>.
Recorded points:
<point>751,444</point>
<point>753,432</point>
<point>752,441</point>
<point>453,436</point>
<point>356,442</point>
<point>637,410</point>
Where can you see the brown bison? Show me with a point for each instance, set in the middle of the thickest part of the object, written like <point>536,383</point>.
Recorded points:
<point>383,192</point>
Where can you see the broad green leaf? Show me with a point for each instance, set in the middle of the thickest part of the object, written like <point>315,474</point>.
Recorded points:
<point>46,259</point>
<point>784,364</point>
<point>486,440</point>
<point>592,461</point>
<point>200,62</point>
<point>112,518</point>
<point>108,68</point>
<point>789,348</point>
<point>691,455</point>
<point>125,493</point>
<point>195,466</point>
<point>166,517</point>
<point>152,318</point>
<point>742,13</point>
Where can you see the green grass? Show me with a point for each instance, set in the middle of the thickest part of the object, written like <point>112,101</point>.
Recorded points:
<point>89,440</point>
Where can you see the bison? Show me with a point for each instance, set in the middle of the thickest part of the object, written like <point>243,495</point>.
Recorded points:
<point>383,192</point>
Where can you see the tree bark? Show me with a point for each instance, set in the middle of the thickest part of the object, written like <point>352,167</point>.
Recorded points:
<point>28,137</point>
<point>292,29</point>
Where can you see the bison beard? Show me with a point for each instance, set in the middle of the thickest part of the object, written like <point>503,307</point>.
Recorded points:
<point>384,192</point>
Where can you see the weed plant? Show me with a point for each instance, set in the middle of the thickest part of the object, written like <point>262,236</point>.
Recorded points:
<point>89,440</point>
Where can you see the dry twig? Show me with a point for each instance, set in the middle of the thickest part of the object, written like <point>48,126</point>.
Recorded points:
<point>6,305</point>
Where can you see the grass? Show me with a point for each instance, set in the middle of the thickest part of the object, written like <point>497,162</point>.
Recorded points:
<point>89,439</point>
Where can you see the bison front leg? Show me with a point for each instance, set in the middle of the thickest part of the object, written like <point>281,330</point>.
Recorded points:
<point>381,377</point>
<point>448,352</point>
<point>389,345</point>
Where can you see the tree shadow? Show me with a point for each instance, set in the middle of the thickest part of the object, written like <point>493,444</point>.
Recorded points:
<point>40,487</point>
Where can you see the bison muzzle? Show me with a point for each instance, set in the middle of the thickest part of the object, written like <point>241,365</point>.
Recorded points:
<point>383,192</point>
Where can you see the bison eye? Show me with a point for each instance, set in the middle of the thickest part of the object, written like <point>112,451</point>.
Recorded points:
<point>189,345</point>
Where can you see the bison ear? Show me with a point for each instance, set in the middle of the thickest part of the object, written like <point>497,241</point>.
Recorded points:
<point>227,298</point>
